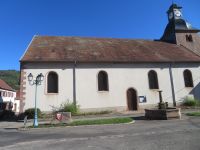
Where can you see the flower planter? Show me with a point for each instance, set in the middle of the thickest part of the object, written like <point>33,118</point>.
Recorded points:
<point>63,117</point>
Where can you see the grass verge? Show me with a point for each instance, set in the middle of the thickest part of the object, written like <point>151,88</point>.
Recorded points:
<point>89,122</point>
<point>93,113</point>
<point>100,121</point>
<point>193,114</point>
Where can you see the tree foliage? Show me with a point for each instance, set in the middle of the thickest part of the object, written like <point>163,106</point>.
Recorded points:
<point>11,77</point>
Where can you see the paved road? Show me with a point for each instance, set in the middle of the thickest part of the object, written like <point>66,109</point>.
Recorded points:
<point>143,135</point>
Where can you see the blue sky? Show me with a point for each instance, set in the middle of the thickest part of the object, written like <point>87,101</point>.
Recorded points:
<point>138,19</point>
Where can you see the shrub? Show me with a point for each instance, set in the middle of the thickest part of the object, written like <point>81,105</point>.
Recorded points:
<point>7,115</point>
<point>198,103</point>
<point>191,102</point>
<point>94,113</point>
<point>69,107</point>
<point>194,114</point>
<point>21,116</point>
<point>31,111</point>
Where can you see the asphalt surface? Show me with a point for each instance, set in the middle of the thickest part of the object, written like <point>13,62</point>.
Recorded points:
<point>142,135</point>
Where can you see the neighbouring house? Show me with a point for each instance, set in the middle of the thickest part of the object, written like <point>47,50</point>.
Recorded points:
<point>109,73</point>
<point>16,105</point>
<point>7,98</point>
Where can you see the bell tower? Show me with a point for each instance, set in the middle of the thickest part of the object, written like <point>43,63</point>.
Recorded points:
<point>179,31</point>
<point>174,12</point>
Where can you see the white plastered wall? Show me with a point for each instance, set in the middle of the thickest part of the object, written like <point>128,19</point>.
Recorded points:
<point>46,101</point>
<point>121,77</point>
<point>17,102</point>
<point>8,98</point>
<point>180,90</point>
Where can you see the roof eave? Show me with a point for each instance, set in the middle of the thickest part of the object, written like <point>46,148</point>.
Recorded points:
<point>181,61</point>
<point>187,30</point>
<point>8,89</point>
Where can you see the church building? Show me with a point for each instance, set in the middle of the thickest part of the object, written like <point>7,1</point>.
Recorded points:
<point>115,74</point>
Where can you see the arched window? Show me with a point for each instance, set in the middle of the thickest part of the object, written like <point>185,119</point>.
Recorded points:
<point>153,80</point>
<point>188,78</point>
<point>52,82</point>
<point>103,81</point>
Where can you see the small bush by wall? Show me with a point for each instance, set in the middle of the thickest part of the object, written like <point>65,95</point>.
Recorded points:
<point>7,115</point>
<point>191,102</point>
<point>69,107</point>
<point>31,111</point>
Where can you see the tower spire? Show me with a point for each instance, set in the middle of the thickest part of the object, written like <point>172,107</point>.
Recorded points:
<point>176,24</point>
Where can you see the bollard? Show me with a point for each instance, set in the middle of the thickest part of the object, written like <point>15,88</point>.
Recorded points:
<point>25,121</point>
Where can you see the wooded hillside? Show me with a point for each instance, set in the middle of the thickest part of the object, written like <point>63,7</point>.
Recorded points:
<point>11,77</point>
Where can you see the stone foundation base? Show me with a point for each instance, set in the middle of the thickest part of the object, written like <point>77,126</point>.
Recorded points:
<point>114,109</point>
<point>163,114</point>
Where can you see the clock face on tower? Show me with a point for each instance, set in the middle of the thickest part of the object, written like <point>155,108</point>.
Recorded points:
<point>177,13</point>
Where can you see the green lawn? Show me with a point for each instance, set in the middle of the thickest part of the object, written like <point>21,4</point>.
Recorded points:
<point>89,122</point>
<point>101,121</point>
<point>193,114</point>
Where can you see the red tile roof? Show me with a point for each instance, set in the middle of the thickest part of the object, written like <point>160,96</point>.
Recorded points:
<point>70,49</point>
<point>5,86</point>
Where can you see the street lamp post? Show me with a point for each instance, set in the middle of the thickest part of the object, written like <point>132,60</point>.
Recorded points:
<point>36,82</point>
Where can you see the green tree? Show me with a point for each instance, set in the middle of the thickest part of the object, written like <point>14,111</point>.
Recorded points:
<point>11,77</point>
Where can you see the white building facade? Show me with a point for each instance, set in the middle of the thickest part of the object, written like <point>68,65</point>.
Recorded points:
<point>7,98</point>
